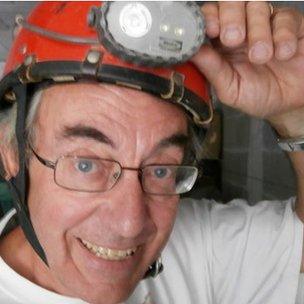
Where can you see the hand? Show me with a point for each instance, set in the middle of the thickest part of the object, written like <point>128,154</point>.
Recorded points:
<point>256,61</point>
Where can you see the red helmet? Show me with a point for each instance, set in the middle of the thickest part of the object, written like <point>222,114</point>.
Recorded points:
<point>51,46</point>
<point>56,44</point>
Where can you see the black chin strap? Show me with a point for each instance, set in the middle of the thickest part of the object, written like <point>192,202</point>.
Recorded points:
<point>18,185</point>
<point>154,269</point>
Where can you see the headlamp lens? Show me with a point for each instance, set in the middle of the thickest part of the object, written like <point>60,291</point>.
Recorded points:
<point>135,20</point>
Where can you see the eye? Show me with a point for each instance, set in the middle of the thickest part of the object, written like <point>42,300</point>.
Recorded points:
<point>161,172</point>
<point>84,165</point>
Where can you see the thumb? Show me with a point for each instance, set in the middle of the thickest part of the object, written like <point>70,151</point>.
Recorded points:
<point>218,72</point>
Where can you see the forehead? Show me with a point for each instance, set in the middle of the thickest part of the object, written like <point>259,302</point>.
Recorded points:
<point>87,101</point>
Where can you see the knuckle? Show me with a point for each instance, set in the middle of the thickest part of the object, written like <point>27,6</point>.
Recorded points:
<point>232,15</point>
<point>287,16</point>
<point>283,33</point>
<point>258,7</point>
<point>286,10</point>
<point>231,9</point>
<point>209,9</point>
<point>284,25</point>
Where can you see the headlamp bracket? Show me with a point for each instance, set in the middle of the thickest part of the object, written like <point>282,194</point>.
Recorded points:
<point>92,63</point>
<point>24,74</point>
<point>176,94</point>
<point>10,97</point>
<point>177,89</point>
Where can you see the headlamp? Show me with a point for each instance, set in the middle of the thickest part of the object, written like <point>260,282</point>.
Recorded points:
<point>148,33</point>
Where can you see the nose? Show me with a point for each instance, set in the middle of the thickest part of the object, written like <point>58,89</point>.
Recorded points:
<point>131,217</point>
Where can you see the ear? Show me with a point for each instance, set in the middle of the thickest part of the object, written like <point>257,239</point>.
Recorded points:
<point>9,159</point>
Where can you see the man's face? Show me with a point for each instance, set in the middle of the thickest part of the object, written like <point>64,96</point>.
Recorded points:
<point>128,126</point>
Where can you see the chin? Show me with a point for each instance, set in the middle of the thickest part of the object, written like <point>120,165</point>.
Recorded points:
<point>98,289</point>
<point>107,295</point>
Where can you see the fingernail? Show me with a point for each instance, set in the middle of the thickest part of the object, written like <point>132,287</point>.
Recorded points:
<point>285,50</point>
<point>232,34</point>
<point>259,52</point>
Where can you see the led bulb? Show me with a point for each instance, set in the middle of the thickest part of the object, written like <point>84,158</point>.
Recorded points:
<point>135,20</point>
<point>179,31</point>
<point>164,28</point>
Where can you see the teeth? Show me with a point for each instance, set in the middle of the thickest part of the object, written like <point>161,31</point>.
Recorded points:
<point>107,253</point>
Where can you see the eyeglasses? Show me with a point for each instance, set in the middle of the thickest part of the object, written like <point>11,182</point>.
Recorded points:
<point>99,175</point>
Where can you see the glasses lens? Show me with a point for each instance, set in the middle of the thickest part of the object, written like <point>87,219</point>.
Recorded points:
<point>168,179</point>
<point>86,174</point>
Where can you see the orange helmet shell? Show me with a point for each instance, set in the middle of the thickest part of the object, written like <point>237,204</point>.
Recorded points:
<point>71,18</point>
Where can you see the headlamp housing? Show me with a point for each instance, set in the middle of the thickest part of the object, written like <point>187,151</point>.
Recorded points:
<point>160,33</point>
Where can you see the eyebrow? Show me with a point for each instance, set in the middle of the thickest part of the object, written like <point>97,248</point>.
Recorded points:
<point>179,139</point>
<point>83,131</point>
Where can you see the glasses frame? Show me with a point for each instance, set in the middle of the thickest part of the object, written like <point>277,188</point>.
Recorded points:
<point>53,165</point>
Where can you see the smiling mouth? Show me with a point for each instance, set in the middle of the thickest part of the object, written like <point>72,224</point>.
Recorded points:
<point>107,253</point>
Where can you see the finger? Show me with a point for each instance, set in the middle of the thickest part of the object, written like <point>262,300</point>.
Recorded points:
<point>259,32</point>
<point>211,14</point>
<point>232,23</point>
<point>286,25</point>
<point>218,72</point>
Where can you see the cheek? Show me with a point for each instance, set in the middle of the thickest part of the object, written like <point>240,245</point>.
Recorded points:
<point>163,211</point>
<point>59,210</point>
<point>54,211</point>
<point>53,204</point>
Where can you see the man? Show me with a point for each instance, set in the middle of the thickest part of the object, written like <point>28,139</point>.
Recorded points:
<point>105,166</point>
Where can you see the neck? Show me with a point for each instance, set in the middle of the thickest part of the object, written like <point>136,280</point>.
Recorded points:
<point>19,255</point>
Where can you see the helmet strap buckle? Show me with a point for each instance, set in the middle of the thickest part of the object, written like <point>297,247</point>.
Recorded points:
<point>91,63</point>
<point>176,90</point>
<point>155,269</point>
<point>25,71</point>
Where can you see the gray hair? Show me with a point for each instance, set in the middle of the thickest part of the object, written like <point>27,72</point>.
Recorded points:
<point>195,148</point>
<point>8,122</point>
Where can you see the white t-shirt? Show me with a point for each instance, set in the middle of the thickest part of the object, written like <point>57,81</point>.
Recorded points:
<point>217,254</point>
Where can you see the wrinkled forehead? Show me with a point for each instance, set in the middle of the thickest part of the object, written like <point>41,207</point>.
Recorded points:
<point>97,102</point>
